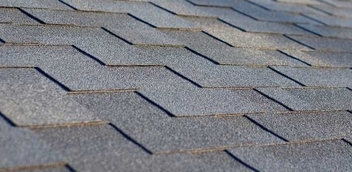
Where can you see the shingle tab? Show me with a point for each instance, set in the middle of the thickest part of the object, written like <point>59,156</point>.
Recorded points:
<point>21,147</point>
<point>50,4</point>
<point>27,98</point>
<point>319,76</point>
<point>96,148</point>
<point>338,32</point>
<point>341,12</point>
<point>307,126</point>
<point>311,98</point>
<point>331,20</point>
<point>12,15</point>
<point>265,15</point>
<point>286,7</point>
<point>161,133</point>
<point>322,43</point>
<point>323,58</point>
<point>315,156</point>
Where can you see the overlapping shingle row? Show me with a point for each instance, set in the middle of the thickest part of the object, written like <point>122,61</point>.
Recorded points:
<point>181,85</point>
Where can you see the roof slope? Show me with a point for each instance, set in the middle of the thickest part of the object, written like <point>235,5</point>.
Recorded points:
<point>175,85</point>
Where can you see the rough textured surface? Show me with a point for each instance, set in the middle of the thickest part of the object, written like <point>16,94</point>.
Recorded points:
<point>316,156</point>
<point>175,85</point>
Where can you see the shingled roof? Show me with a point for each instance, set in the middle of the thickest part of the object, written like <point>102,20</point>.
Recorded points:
<point>175,85</point>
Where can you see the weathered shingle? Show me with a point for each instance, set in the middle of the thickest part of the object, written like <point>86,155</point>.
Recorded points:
<point>331,20</point>
<point>326,31</point>
<point>328,44</point>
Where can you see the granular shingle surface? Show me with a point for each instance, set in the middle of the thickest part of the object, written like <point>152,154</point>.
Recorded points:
<point>175,85</point>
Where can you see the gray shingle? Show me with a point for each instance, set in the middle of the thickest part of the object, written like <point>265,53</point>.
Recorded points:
<point>341,12</point>
<point>303,2</point>
<point>102,148</point>
<point>314,156</point>
<point>322,58</point>
<point>331,20</point>
<point>311,98</point>
<point>256,40</point>
<point>160,133</point>
<point>286,7</point>
<point>123,25</point>
<point>12,15</point>
<point>340,4</point>
<point>142,10</point>
<point>51,4</point>
<point>46,169</point>
<point>211,3</point>
<point>307,126</point>
<point>321,43</point>
<point>181,7</point>
<point>190,102</point>
<point>27,98</point>
<point>266,27</point>
<point>319,76</point>
<point>338,32</point>
<point>21,147</point>
<point>265,15</point>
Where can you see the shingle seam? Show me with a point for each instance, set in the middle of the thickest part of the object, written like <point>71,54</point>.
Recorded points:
<point>298,42</point>
<point>241,161</point>
<point>346,141</point>
<point>184,77</point>
<point>52,79</point>
<point>218,115</point>
<point>131,139</point>
<point>203,56</point>
<point>239,28</point>
<point>75,92</point>
<point>155,104</point>
<point>300,112</point>
<point>113,34</point>
<point>215,6</point>
<point>214,37</point>
<point>266,129</point>
<point>8,120</point>
<point>308,30</point>
<point>290,56</point>
<point>68,5</point>
<point>89,55</point>
<point>267,96</point>
<point>88,123</point>
<point>135,17</point>
<point>301,84</point>
<point>70,168</point>
<point>33,167</point>
<point>162,8</point>
<point>306,16</point>
<point>244,14</point>
<point>31,16</point>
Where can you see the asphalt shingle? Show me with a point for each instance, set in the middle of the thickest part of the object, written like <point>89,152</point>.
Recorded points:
<point>315,156</point>
<point>12,15</point>
<point>46,169</point>
<point>323,58</point>
<point>286,7</point>
<point>265,15</point>
<point>311,98</point>
<point>319,76</point>
<point>331,20</point>
<point>101,147</point>
<point>28,98</point>
<point>329,44</point>
<point>50,4</point>
<point>341,12</point>
<point>307,126</point>
<point>21,147</point>
<point>326,31</point>
<point>158,132</point>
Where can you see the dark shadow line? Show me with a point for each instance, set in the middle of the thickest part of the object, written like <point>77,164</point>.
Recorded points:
<point>276,101</point>
<point>183,77</point>
<point>290,56</point>
<point>31,16</point>
<point>205,57</point>
<point>314,19</point>
<point>232,25</point>
<point>52,79</point>
<point>350,111</point>
<point>158,6</point>
<point>323,11</point>
<point>244,14</point>
<point>286,76</point>
<point>131,139</point>
<point>2,41</point>
<point>299,42</point>
<point>217,38</point>
<point>307,30</point>
<point>266,129</point>
<point>68,5</point>
<point>88,55</point>
<point>240,161</point>
<point>135,17</point>
<point>71,169</point>
<point>346,141</point>
<point>348,88</point>
<point>260,6</point>
<point>116,35</point>
<point>8,120</point>
<point>155,104</point>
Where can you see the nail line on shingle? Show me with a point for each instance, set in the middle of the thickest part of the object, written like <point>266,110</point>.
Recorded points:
<point>77,124</point>
<point>34,167</point>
